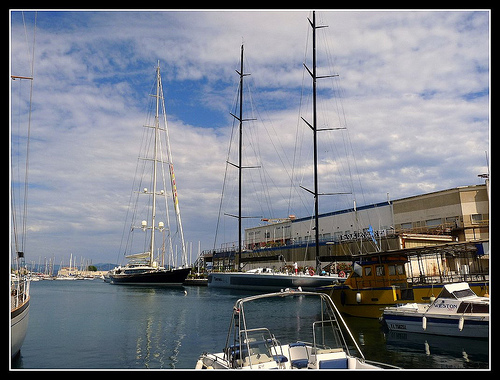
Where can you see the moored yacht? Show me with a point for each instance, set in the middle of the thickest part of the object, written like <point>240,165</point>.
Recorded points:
<point>268,280</point>
<point>457,311</point>
<point>145,268</point>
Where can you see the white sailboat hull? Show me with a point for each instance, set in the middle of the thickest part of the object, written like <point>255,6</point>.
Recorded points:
<point>19,326</point>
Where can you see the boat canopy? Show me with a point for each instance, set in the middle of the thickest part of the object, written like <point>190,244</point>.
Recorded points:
<point>457,290</point>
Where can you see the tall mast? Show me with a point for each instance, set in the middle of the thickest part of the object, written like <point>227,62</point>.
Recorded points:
<point>315,144</point>
<point>240,158</point>
<point>240,154</point>
<point>155,164</point>
<point>314,128</point>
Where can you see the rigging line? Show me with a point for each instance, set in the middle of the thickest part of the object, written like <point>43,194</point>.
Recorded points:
<point>172,181</point>
<point>310,236</point>
<point>235,103</point>
<point>136,185</point>
<point>15,171</point>
<point>271,139</point>
<point>343,118</point>
<point>25,208</point>
<point>292,187</point>
<point>254,143</point>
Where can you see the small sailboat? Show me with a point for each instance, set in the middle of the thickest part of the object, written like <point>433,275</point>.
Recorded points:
<point>147,267</point>
<point>306,332</point>
<point>457,311</point>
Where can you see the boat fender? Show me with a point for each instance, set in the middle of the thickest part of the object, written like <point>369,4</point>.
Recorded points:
<point>342,298</point>
<point>341,273</point>
<point>461,323</point>
<point>424,323</point>
<point>358,297</point>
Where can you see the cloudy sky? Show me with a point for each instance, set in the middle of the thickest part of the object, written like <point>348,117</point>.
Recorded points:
<point>412,92</point>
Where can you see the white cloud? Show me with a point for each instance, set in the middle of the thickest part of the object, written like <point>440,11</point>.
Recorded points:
<point>414,89</point>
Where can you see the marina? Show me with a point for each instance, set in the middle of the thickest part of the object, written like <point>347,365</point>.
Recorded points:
<point>92,325</point>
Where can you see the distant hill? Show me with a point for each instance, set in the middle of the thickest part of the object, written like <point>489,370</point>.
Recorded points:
<point>105,266</point>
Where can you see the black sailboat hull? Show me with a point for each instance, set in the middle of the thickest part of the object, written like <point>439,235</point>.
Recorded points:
<point>156,277</point>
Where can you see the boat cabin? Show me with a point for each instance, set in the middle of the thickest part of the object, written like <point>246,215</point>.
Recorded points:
<point>459,298</point>
<point>378,271</point>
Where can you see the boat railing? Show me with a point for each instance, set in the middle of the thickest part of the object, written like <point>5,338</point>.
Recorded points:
<point>448,278</point>
<point>19,291</point>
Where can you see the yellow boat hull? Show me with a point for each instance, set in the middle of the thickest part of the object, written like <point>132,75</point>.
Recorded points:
<point>370,302</point>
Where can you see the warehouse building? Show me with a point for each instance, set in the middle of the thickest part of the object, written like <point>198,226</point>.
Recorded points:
<point>461,212</point>
<point>446,216</point>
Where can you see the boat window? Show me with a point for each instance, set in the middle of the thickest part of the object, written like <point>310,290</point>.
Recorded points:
<point>380,270</point>
<point>400,269</point>
<point>368,271</point>
<point>463,293</point>
<point>468,307</point>
<point>445,294</point>
<point>392,270</point>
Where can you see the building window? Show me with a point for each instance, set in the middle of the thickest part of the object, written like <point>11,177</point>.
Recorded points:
<point>433,222</point>
<point>406,226</point>
<point>476,218</point>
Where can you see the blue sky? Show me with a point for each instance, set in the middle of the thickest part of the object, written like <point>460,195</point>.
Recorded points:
<point>412,91</point>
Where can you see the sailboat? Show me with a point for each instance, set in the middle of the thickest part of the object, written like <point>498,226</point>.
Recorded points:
<point>266,279</point>
<point>20,280</point>
<point>146,267</point>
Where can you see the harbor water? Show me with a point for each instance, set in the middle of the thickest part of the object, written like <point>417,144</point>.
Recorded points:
<point>95,325</point>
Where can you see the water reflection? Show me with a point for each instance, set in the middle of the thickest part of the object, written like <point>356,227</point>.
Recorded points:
<point>442,351</point>
<point>158,326</point>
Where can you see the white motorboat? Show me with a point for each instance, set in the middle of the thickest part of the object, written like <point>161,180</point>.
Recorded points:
<point>315,335</point>
<point>457,311</point>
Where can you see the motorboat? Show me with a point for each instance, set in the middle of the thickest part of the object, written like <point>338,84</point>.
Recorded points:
<point>457,311</point>
<point>291,329</point>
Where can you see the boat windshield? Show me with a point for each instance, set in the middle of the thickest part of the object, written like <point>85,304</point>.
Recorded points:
<point>464,293</point>
<point>460,293</point>
<point>261,324</point>
<point>327,335</point>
